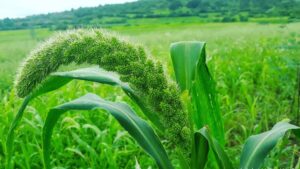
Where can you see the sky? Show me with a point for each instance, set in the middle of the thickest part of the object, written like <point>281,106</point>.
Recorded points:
<point>22,8</point>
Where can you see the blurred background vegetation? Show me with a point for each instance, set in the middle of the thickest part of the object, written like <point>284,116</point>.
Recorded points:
<point>263,11</point>
<point>253,49</point>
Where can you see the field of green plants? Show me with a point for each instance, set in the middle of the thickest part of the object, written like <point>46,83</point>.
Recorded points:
<point>256,68</point>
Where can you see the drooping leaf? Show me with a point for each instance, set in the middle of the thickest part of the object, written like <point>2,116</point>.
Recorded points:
<point>52,83</point>
<point>192,74</point>
<point>96,74</point>
<point>257,147</point>
<point>59,79</point>
<point>135,126</point>
<point>200,151</point>
<point>204,138</point>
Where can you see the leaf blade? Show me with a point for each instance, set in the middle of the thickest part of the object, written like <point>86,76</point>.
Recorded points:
<point>185,56</point>
<point>96,74</point>
<point>135,126</point>
<point>59,79</point>
<point>10,135</point>
<point>200,151</point>
<point>257,147</point>
<point>192,74</point>
<point>220,155</point>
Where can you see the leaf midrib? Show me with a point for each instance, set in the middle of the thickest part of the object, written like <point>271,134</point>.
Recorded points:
<point>134,123</point>
<point>260,143</point>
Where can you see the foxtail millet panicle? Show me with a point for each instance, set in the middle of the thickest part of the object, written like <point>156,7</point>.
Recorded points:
<point>131,62</point>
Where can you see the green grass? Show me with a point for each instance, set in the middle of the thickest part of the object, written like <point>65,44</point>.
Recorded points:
<point>14,46</point>
<point>265,20</point>
<point>255,67</point>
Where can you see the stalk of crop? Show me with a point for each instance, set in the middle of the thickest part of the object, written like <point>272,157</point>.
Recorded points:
<point>100,48</point>
<point>147,84</point>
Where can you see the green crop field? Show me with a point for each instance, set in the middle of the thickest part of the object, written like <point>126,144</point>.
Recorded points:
<point>255,66</point>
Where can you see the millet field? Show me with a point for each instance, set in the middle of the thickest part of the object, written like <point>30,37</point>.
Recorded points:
<point>256,69</point>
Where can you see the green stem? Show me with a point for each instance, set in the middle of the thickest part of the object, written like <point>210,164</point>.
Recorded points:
<point>10,136</point>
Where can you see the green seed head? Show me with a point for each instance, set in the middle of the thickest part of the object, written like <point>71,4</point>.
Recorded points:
<point>109,52</point>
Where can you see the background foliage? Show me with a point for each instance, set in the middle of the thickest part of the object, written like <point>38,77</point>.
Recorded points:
<point>137,12</point>
<point>254,65</point>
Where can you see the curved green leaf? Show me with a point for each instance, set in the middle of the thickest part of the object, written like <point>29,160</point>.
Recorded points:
<point>199,151</point>
<point>50,84</point>
<point>220,155</point>
<point>257,147</point>
<point>96,74</point>
<point>59,79</point>
<point>185,57</point>
<point>93,74</point>
<point>192,74</point>
<point>135,126</point>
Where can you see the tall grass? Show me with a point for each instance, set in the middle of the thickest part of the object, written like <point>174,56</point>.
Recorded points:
<point>228,46</point>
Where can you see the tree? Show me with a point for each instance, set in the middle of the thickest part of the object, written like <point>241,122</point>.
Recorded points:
<point>193,3</point>
<point>8,22</point>
<point>175,5</point>
<point>244,5</point>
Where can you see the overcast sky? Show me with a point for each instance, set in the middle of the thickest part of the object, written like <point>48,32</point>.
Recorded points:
<point>22,8</point>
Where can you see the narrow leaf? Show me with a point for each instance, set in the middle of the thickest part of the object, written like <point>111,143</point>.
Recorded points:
<point>135,126</point>
<point>204,100</point>
<point>10,135</point>
<point>59,79</point>
<point>220,155</point>
<point>185,56</point>
<point>96,74</point>
<point>199,151</point>
<point>192,74</point>
<point>257,147</point>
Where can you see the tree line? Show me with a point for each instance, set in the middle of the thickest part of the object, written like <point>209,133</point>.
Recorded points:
<point>226,10</point>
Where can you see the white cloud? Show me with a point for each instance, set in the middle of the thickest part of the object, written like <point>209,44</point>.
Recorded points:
<point>22,8</point>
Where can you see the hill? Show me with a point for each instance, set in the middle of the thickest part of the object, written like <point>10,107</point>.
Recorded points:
<point>107,15</point>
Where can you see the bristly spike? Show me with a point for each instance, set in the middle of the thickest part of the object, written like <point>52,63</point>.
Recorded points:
<point>109,52</point>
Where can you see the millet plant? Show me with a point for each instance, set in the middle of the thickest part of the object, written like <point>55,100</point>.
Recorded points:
<point>186,114</point>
